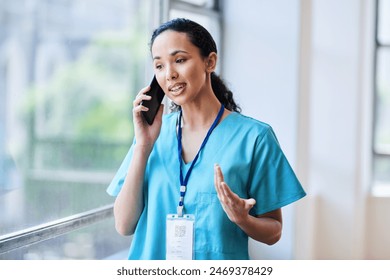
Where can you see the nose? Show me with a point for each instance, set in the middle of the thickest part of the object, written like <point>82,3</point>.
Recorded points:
<point>171,74</point>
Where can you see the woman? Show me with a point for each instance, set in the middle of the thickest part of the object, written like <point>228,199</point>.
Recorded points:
<point>171,167</point>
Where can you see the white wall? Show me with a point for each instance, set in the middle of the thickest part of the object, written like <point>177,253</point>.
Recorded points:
<point>260,62</point>
<point>335,149</point>
<point>305,67</point>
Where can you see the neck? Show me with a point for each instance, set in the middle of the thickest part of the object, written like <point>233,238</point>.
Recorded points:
<point>201,114</point>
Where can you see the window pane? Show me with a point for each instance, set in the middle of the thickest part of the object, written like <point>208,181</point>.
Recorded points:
<point>204,3</point>
<point>381,169</point>
<point>68,72</point>
<point>382,129</point>
<point>98,241</point>
<point>384,21</point>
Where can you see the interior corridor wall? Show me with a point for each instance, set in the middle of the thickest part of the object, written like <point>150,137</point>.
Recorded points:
<point>260,55</point>
<point>348,220</point>
<point>306,67</point>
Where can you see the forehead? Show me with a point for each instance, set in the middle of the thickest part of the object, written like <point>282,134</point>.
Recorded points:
<point>170,41</point>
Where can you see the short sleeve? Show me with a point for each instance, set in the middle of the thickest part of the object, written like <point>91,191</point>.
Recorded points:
<point>274,183</point>
<point>119,178</point>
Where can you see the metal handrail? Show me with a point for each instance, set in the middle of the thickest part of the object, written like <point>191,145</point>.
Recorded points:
<point>53,229</point>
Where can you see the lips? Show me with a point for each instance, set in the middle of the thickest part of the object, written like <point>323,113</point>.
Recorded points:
<point>176,88</point>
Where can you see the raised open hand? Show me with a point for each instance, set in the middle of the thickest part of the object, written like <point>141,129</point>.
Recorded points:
<point>236,208</point>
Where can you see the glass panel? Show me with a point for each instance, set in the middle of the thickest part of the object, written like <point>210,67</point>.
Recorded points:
<point>68,72</point>
<point>95,242</point>
<point>381,169</point>
<point>384,21</point>
<point>204,3</point>
<point>382,129</point>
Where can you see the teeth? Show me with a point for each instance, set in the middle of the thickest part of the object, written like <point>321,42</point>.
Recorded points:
<point>177,88</point>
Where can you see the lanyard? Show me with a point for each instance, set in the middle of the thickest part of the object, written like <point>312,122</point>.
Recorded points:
<point>184,180</point>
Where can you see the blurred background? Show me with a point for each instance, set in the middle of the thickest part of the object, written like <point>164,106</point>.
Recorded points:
<point>318,71</point>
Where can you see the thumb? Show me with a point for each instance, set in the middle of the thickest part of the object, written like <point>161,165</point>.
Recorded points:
<point>249,203</point>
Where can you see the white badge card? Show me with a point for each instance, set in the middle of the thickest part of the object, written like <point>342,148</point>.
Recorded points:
<point>180,237</point>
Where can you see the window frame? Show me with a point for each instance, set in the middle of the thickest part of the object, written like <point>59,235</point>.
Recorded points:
<point>377,153</point>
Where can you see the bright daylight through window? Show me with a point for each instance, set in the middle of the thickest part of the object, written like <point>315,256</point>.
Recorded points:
<point>68,72</point>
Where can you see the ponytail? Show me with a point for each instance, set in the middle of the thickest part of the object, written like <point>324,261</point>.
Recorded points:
<point>224,95</point>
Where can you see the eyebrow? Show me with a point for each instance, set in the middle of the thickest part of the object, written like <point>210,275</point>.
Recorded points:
<point>171,54</point>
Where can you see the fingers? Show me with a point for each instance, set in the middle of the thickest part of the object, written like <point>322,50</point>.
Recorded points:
<point>141,96</point>
<point>225,194</point>
<point>232,197</point>
<point>218,176</point>
<point>236,208</point>
<point>223,191</point>
<point>226,190</point>
<point>228,194</point>
<point>249,203</point>
<point>218,179</point>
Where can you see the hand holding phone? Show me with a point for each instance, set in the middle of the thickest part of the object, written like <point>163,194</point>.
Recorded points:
<point>153,104</point>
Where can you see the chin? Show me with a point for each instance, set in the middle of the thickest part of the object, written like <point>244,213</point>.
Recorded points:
<point>178,100</point>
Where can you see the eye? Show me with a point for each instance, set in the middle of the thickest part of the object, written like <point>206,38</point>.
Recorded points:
<point>180,60</point>
<point>158,66</point>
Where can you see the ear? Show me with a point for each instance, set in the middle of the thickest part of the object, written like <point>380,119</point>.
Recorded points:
<point>211,62</point>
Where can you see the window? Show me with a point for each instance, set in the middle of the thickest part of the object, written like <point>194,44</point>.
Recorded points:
<point>69,70</point>
<point>381,139</point>
<point>68,73</point>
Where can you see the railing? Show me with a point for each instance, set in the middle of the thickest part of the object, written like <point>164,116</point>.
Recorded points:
<point>53,229</point>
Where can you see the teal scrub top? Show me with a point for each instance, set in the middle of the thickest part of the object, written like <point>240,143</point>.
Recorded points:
<point>253,165</point>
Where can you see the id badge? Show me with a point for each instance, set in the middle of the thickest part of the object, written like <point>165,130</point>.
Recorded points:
<point>180,237</point>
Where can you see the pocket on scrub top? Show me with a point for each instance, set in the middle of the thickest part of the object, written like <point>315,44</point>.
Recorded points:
<point>213,230</point>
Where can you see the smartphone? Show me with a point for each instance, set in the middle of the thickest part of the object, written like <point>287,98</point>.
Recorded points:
<point>153,104</point>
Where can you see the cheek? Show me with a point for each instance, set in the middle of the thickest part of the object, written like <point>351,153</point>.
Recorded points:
<point>197,75</point>
<point>160,79</point>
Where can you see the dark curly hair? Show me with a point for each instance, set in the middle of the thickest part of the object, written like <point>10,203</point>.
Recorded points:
<point>202,39</point>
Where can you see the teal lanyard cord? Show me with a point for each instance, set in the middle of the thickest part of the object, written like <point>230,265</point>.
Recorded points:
<point>184,180</point>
